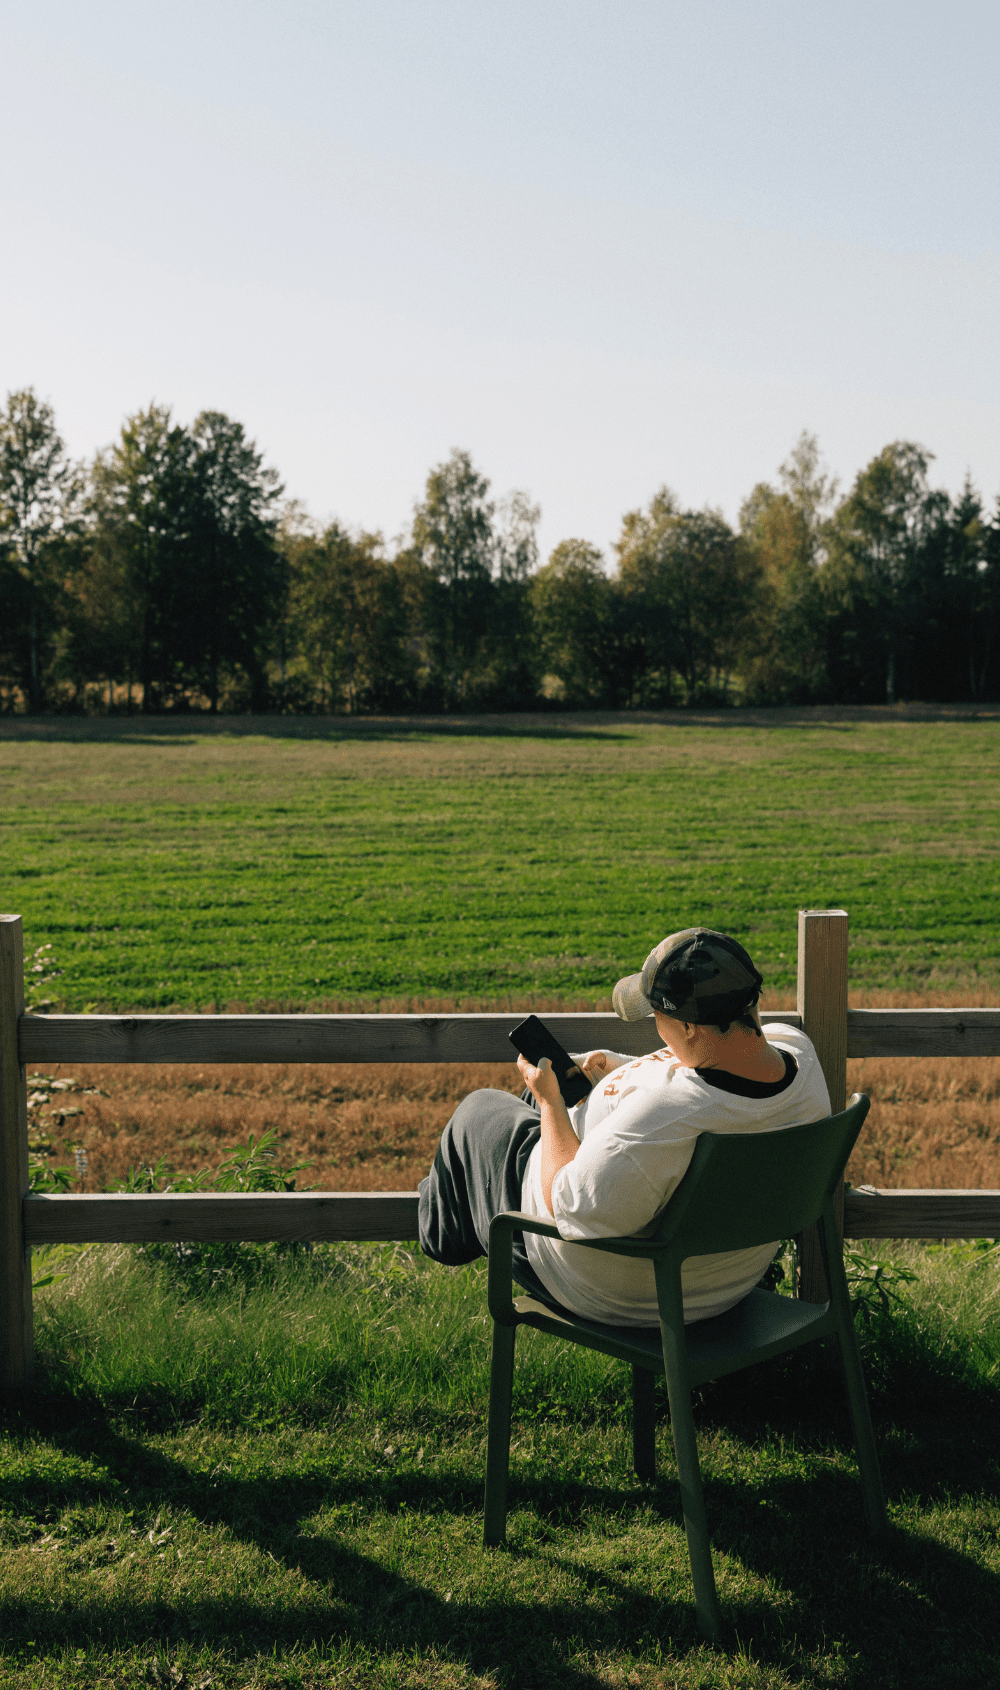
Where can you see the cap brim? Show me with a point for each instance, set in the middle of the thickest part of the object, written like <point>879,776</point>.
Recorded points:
<point>629,1000</point>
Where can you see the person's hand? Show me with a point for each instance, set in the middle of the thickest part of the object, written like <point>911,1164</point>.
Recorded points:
<point>542,1081</point>
<point>595,1065</point>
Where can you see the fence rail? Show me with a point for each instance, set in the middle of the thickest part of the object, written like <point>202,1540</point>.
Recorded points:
<point>258,1217</point>
<point>201,1217</point>
<point>43,1040</point>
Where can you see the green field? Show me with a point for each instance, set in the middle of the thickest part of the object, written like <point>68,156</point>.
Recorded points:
<point>352,862</point>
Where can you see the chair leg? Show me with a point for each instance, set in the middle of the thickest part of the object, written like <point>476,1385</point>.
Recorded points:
<point>695,1519</point>
<point>498,1438</point>
<point>864,1436</point>
<point>854,1379</point>
<point>643,1424</point>
<point>670,1300</point>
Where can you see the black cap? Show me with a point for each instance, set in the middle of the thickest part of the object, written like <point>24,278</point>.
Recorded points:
<point>697,975</point>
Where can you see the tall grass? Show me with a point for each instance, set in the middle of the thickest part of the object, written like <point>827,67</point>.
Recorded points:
<point>934,1121</point>
<point>239,1335</point>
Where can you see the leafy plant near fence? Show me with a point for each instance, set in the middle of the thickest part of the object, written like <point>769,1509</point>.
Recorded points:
<point>204,1267</point>
<point>253,1166</point>
<point>50,1107</point>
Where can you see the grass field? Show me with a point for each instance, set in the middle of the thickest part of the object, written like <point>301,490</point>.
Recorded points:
<point>279,1484</point>
<point>276,1482</point>
<point>338,863</point>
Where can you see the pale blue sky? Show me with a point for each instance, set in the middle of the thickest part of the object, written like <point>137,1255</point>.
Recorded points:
<point>602,246</point>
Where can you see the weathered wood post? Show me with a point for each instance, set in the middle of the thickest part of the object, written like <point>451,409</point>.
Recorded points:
<point>16,1345</point>
<point>822,1004</point>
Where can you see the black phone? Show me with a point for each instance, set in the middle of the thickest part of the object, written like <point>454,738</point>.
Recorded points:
<point>533,1039</point>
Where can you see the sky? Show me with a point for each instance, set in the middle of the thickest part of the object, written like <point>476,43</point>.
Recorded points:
<point>601,246</point>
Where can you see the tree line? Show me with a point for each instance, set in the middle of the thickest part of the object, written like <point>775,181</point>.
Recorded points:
<point>171,574</point>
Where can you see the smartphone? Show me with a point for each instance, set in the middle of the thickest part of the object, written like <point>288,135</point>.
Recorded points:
<point>533,1039</point>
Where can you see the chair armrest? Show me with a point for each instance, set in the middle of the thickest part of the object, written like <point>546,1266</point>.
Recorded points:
<point>643,1243</point>
<point>500,1294</point>
<point>515,1220</point>
<point>502,1229</point>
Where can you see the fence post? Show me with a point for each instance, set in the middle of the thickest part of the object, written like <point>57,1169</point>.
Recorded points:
<point>16,1345</point>
<point>822,1004</point>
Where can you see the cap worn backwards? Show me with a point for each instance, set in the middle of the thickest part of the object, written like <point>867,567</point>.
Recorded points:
<point>696,975</point>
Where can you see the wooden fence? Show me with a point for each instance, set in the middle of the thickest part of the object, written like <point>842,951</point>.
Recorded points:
<point>42,1040</point>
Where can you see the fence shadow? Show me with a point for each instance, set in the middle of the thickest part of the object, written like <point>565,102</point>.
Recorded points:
<point>920,1612</point>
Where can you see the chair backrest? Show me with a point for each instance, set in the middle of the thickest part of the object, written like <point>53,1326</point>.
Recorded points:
<point>743,1189</point>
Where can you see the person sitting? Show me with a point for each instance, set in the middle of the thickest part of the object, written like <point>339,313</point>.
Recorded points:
<point>608,1167</point>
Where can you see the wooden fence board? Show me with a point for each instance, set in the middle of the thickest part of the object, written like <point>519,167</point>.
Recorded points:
<point>921,1214</point>
<point>821,997</point>
<point>923,1032</point>
<point>380,1215</point>
<point>16,1342</point>
<point>48,1039</point>
<point>203,1217</point>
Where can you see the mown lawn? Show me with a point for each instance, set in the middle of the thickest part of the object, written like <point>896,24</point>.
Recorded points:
<point>276,1480</point>
<point>339,863</point>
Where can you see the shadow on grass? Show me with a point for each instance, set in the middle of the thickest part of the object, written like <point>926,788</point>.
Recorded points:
<point>919,1613</point>
<point>360,1601</point>
<point>167,731</point>
<point>534,724</point>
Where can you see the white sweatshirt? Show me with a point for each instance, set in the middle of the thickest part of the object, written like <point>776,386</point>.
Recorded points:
<point>637,1132</point>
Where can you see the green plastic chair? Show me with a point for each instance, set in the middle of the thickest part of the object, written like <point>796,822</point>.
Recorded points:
<point>740,1189</point>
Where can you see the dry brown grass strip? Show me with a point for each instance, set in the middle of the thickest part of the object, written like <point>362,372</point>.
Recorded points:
<point>935,1122</point>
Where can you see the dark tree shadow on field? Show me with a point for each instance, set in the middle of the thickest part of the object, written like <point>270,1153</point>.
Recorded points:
<point>186,730</point>
<point>556,725</point>
<point>359,1599</point>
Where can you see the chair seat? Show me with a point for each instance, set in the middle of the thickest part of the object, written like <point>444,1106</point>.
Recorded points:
<point>761,1325</point>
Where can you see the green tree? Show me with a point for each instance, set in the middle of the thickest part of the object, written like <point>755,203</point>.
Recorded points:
<point>972,589</point>
<point>97,620</point>
<point>141,519</point>
<point>508,672</point>
<point>234,572</point>
<point>988,653</point>
<point>878,541</point>
<point>572,603</point>
<point>184,525</point>
<point>39,490</point>
<point>347,620</point>
<point>516,540</point>
<point>785,529</point>
<point>692,586</point>
<point>453,537</point>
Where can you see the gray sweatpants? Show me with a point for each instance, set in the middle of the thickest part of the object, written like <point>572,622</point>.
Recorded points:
<point>478,1172</point>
